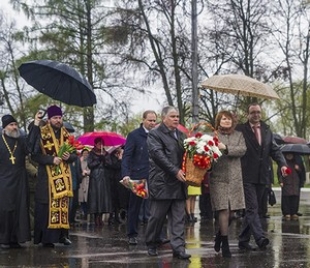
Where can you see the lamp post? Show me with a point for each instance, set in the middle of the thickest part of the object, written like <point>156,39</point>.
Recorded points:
<point>195,90</point>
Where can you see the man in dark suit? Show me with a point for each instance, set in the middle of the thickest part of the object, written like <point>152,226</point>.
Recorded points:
<point>255,164</point>
<point>135,166</point>
<point>168,191</point>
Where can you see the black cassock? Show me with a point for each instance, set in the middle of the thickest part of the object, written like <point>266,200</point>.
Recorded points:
<point>14,199</point>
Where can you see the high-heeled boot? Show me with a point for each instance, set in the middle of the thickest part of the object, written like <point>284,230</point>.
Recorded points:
<point>225,247</point>
<point>217,241</point>
<point>193,218</point>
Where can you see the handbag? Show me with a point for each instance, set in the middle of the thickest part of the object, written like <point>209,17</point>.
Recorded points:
<point>272,198</point>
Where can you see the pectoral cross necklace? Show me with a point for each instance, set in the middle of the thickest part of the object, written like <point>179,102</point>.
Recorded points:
<point>12,158</point>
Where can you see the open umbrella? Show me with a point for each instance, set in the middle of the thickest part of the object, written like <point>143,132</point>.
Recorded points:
<point>294,140</point>
<point>180,128</point>
<point>240,85</point>
<point>110,138</point>
<point>302,149</point>
<point>58,81</point>
<point>69,127</point>
<point>278,138</point>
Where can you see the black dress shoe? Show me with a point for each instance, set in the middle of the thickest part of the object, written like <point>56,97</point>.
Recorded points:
<point>66,241</point>
<point>164,241</point>
<point>181,255</point>
<point>48,245</point>
<point>152,252</point>
<point>15,245</point>
<point>262,242</point>
<point>243,245</point>
<point>5,246</point>
<point>132,241</point>
<point>299,214</point>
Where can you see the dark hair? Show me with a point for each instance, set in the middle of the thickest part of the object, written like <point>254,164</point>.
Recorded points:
<point>99,139</point>
<point>85,149</point>
<point>252,104</point>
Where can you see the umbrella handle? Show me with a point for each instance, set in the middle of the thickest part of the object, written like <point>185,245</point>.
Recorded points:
<point>43,111</point>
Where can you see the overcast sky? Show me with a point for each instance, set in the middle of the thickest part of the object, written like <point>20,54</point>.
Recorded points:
<point>140,102</point>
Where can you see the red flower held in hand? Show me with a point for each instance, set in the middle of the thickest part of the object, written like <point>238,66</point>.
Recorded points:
<point>288,171</point>
<point>71,146</point>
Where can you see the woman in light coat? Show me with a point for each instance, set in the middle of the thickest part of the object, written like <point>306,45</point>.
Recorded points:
<point>226,185</point>
<point>83,189</point>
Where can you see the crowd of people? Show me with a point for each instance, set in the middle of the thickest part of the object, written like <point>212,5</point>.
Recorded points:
<point>89,182</point>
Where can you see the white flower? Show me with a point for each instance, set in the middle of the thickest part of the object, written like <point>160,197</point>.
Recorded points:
<point>202,145</point>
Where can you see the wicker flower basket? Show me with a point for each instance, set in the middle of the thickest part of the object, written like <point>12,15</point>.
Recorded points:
<point>194,174</point>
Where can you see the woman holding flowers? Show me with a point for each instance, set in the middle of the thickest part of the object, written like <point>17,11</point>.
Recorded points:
<point>226,187</point>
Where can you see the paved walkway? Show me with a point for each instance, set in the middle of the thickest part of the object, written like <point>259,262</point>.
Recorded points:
<point>107,246</point>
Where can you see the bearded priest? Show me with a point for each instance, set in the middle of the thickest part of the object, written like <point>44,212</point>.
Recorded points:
<point>54,184</point>
<point>14,210</point>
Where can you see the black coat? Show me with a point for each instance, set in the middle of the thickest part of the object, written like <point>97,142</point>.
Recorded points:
<point>99,191</point>
<point>255,162</point>
<point>14,203</point>
<point>166,155</point>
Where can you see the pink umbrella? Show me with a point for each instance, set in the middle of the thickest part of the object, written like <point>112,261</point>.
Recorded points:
<point>295,140</point>
<point>181,128</point>
<point>110,138</point>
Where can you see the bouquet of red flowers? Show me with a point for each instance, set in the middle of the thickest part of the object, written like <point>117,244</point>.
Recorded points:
<point>70,146</point>
<point>138,187</point>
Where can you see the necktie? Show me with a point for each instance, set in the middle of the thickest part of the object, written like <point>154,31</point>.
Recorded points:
<point>257,134</point>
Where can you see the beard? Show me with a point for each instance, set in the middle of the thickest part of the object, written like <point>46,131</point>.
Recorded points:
<point>57,126</point>
<point>12,133</point>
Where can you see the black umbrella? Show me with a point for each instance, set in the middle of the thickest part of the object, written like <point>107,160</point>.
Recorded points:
<point>59,81</point>
<point>69,127</point>
<point>278,139</point>
<point>296,149</point>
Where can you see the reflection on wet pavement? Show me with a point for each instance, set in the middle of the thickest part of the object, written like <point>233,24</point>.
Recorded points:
<point>107,247</point>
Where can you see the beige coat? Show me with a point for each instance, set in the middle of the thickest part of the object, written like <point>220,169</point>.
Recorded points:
<point>84,185</point>
<point>226,185</point>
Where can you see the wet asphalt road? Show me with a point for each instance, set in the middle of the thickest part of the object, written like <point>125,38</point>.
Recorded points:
<point>107,246</point>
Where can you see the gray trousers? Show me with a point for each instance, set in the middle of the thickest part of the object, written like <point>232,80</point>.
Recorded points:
<point>251,222</point>
<point>175,210</point>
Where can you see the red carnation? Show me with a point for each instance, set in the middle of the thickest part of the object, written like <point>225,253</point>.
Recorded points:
<point>198,135</point>
<point>288,171</point>
<point>210,143</point>
<point>192,143</point>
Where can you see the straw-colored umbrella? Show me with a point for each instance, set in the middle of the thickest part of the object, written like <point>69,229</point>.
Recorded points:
<point>240,85</point>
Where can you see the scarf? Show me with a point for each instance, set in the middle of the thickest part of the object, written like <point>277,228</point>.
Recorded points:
<point>225,130</point>
<point>60,185</point>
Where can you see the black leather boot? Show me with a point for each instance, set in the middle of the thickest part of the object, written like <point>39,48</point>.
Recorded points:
<point>193,218</point>
<point>217,241</point>
<point>225,247</point>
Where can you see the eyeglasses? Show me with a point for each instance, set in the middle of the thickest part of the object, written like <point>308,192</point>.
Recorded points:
<point>151,120</point>
<point>255,112</point>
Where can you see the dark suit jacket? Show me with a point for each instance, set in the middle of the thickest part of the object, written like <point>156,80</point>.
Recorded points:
<point>135,161</point>
<point>255,162</point>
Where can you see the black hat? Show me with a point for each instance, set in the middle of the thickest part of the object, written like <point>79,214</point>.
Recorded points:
<point>7,119</point>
